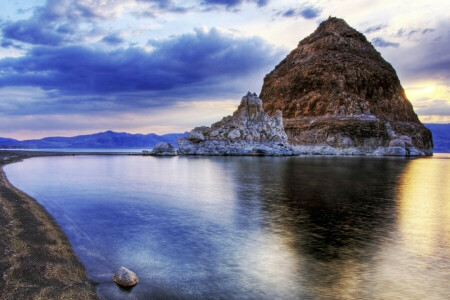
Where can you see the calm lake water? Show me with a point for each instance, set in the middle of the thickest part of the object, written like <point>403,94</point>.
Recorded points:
<point>253,227</point>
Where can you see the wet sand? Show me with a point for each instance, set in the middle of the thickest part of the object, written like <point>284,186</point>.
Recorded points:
<point>36,258</point>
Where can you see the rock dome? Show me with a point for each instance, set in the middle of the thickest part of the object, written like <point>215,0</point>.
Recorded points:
<point>338,95</point>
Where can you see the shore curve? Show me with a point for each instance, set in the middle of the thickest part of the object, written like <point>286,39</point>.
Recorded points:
<point>36,257</point>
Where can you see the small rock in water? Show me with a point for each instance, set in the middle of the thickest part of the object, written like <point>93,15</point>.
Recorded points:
<point>163,149</point>
<point>125,277</point>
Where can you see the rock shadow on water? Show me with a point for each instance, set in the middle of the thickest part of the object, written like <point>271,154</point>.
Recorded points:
<point>331,213</point>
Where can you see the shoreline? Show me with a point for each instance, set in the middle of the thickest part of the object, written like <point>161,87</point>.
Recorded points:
<point>37,260</point>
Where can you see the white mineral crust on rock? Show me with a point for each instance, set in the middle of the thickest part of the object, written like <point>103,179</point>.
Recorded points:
<point>249,131</point>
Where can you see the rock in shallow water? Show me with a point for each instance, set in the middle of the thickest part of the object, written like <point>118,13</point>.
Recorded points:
<point>163,149</point>
<point>249,131</point>
<point>125,277</point>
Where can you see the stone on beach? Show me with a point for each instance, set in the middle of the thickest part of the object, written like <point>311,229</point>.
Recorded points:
<point>125,277</point>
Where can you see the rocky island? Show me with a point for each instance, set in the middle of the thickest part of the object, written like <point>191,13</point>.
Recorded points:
<point>339,96</point>
<point>249,131</point>
<point>334,94</point>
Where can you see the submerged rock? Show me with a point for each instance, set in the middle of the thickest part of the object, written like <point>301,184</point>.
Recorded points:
<point>163,149</point>
<point>339,96</point>
<point>125,277</point>
<point>249,131</point>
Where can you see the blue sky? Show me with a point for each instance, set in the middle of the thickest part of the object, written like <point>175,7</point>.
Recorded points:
<point>71,67</point>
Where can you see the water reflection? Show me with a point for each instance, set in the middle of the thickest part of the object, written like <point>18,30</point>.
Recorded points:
<point>331,213</point>
<point>259,228</point>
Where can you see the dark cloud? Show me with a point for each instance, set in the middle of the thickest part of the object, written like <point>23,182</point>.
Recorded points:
<point>290,13</point>
<point>308,12</point>
<point>161,6</point>
<point>413,32</point>
<point>234,3</point>
<point>113,39</point>
<point>409,33</point>
<point>160,3</point>
<point>59,22</point>
<point>54,24</point>
<point>29,31</point>
<point>8,44</point>
<point>400,32</point>
<point>199,63</point>
<point>380,42</point>
<point>375,28</point>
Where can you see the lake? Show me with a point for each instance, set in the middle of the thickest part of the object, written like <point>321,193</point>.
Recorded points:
<point>253,227</point>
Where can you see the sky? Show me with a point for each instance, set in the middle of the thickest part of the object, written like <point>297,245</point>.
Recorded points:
<point>70,67</point>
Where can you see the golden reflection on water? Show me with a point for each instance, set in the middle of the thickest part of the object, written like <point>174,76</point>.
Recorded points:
<point>414,264</point>
<point>424,206</point>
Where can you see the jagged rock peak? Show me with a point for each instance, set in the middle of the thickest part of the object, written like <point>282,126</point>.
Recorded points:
<point>249,131</point>
<point>336,87</point>
<point>250,107</point>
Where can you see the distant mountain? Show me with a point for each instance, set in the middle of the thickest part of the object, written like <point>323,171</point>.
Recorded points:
<point>102,140</point>
<point>441,137</point>
<point>111,140</point>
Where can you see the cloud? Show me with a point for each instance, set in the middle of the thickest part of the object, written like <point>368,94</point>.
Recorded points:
<point>289,13</point>
<point>9,44</point>
<point>28,31</point>
<point>308,12</point>
<point>410,33</point>
<point>198,64</point>
<point>160,6</point>
<point>113,39</point>
<point>233,3</point>
<point>426,30</point>
<point>375,28</point>
<point>58,21</point>
<point>436,107</point>
<point>428,56</point>
<point>62,22</point>
<point>380,42</point>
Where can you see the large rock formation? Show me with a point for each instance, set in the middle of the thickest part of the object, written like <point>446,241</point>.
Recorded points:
<point>339,96</point>
<point>250,131</point>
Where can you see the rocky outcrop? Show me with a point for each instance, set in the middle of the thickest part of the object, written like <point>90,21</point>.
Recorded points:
<point>339,96</point>
<point>162,149</point>
<point>249,131</point>
<point>125,277</point>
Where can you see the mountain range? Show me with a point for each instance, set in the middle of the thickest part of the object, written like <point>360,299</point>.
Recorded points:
<point>102,140</point>
<point>116,140</point>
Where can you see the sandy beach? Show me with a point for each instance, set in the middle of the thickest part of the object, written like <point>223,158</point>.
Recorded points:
<point>37,260</point>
